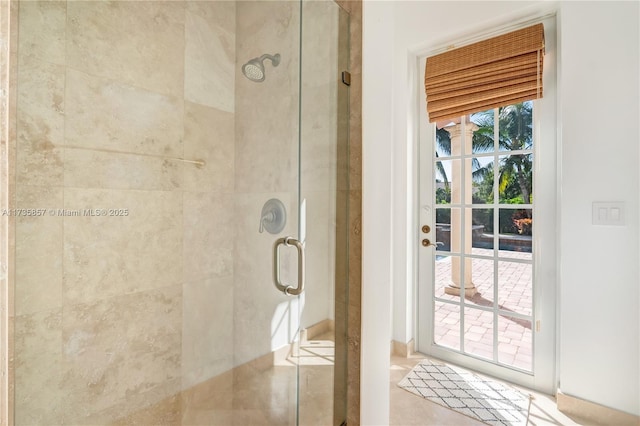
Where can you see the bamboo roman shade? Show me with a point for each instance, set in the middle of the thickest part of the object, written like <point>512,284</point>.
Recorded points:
<point>500,71</point>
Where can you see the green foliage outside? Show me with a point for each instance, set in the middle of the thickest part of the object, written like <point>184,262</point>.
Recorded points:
<point>515,172</point>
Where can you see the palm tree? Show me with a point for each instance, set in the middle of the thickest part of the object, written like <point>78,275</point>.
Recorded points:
<point>443,142</point>
<point>515,133</point>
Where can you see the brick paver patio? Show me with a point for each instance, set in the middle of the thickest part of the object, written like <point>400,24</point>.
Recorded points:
<point>514,295</point>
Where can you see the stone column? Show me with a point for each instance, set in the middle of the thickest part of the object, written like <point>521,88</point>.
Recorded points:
<point>457,182</point>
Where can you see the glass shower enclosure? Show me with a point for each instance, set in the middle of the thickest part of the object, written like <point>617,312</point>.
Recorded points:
<point>180,187</point>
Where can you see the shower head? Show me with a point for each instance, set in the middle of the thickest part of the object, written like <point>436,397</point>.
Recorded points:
<point>254,69</point>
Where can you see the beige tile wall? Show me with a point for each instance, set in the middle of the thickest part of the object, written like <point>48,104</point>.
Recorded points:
<point>115,313</point>
<point>321,138</point>
<point>103,115</point>
<point>266,159</point>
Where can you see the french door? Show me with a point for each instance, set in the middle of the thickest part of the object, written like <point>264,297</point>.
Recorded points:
<point>485,239</point>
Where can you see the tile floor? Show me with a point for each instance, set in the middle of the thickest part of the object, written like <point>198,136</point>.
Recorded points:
<point>408,409</point>
<point>267,397</point>
<point>260,394</point>
<point>263,401</point>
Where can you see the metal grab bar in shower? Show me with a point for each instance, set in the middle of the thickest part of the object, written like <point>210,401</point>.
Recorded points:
<point>287,289</point>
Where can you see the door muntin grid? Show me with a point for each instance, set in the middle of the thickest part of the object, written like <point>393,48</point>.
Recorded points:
<point>483,167</point>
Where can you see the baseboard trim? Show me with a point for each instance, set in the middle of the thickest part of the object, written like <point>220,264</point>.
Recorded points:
<point>317,329</point>
<point>593,412</point>
<point>402,349</point>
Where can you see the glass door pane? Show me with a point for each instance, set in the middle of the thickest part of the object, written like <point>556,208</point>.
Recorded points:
<point>482,266</point>
<point>324,198</point>
<point>266,171</point>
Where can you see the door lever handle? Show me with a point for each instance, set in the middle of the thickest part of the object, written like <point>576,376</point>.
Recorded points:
<point>427,243</point>
<point>287,289</point>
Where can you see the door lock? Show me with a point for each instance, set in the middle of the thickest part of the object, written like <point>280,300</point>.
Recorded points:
<point>426,229</point>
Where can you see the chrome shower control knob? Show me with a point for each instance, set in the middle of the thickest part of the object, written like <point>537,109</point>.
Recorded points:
<point>273,217</point>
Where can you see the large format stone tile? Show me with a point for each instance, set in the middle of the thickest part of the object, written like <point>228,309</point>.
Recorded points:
<point>320,261</point>
<point>320,43</point>
<point>117,349</point>
<point>166,412</point>
<point>42,30</point>
<point>138,43</point>
<point>267,130</point>
<point>108,256</point>
<point>319,139</point>
<point>264,318</point>
<point>208,235</point>
<point>276,22</point>
<point>266,397</point>
<point>106,114</point>
<point>158,406</point>
<point>221,13</point>
<point>210,55</point>
<point>207,335</point>
<point>208,136</point>
<point>315,406</point>
<point>266,145</point>
<point>40,123</point>
<point>38,357</point>
<point>87,168</point>
<point>210,402</point>
<point>38,251</point>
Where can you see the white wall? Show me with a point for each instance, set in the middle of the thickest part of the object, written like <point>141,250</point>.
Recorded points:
<point>599,332</point>
<point>599,322</point>
<point>377,107</point>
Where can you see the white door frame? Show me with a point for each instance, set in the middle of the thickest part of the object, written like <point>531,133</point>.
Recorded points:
<point>545,230</point>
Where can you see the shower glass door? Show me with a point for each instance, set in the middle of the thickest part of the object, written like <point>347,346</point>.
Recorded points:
<point>153,140</point>
<point>324,130</point>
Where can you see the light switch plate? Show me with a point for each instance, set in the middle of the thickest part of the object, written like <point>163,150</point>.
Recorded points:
<point>608,213</point>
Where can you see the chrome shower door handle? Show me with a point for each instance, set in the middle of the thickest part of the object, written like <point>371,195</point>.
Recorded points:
<point>287,289</point>
<point>301,264</point>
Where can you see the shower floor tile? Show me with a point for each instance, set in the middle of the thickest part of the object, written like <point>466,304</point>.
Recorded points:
<point>257,396</point>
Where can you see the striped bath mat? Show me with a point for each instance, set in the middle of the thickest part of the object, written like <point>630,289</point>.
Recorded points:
<point>487,400</point>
